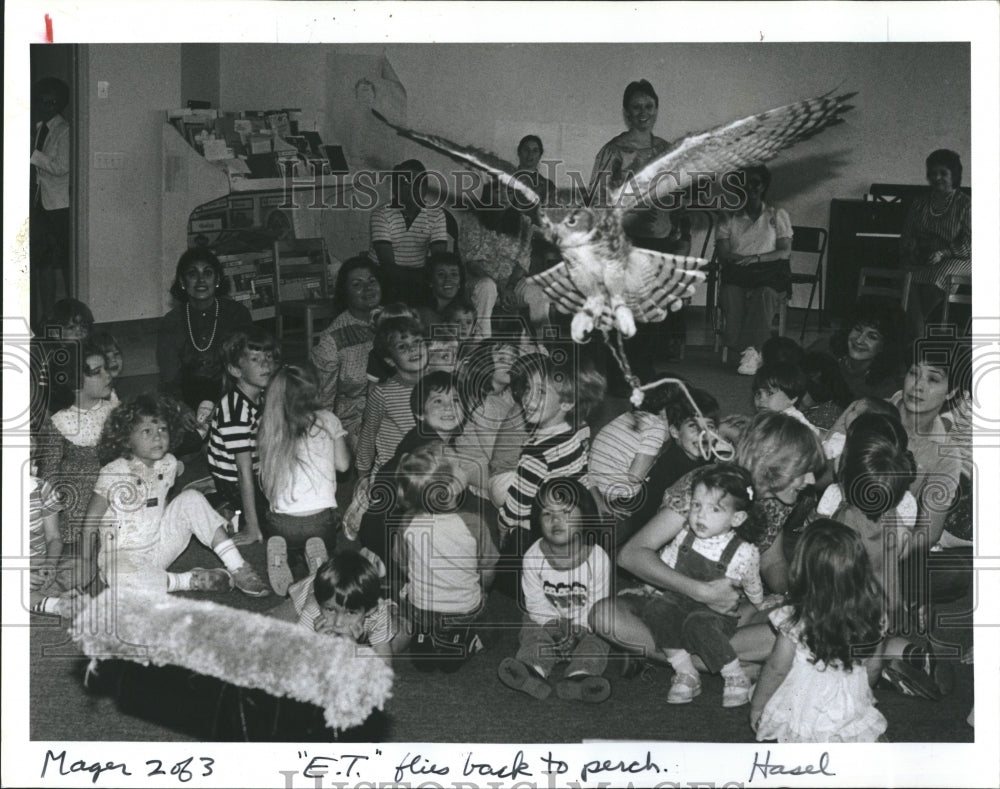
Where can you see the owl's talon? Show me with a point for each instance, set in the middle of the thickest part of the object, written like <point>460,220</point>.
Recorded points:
<point>625,321</point>
<point>581,326</point>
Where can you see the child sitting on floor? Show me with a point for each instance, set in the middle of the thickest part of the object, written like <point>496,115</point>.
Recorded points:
<point>623,452</point>
<point>142,535</point>
<point>400,342</point>
<point>706,548</point>
<point>494,431</point>
<point>344,598</point>
<point>562,577</point>
<point>557,397</point>
<point>247,363</point>
<point>302,447</point>
<point>435,407</point>
<point>816,685</point>
<point>871,495</point>
<point>448,559</point>
<point>67,444</point>
<point>681,455</point>
<point>779,386</point>
<point>51,573</point>
<point>114,361</point>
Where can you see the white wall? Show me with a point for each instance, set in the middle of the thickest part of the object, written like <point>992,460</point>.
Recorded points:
<point>123,255</point>
<point>912,98</point>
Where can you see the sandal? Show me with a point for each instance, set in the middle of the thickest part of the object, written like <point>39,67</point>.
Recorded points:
<point>519,676</point>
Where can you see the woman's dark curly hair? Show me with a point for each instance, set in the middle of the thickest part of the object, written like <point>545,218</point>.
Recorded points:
<point>835,595</point>
<point>198,255</point>
<point>886,317</point>
<point>114,442</point>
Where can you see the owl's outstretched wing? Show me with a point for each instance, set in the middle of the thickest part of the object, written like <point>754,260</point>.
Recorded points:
<point>474,157</point>
<point>560,287</point>
<point>743,143</point>
<point>657,282</point>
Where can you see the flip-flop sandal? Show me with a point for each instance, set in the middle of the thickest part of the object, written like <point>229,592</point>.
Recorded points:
<point>584,687</point>
<point>279,574</point>
<point>517,676</point>
<point>316,554</point>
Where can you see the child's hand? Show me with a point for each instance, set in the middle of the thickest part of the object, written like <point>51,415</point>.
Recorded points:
<point>771,601</point>
<point>755,715</point>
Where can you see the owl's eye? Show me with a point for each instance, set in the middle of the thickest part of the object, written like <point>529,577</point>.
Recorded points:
<point>571,220</point>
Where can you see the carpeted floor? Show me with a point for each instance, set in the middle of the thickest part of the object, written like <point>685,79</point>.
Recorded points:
<point>470,705</point>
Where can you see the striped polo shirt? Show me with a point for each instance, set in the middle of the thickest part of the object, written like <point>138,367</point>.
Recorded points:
<point>409,244</point>
<point>233,430</point>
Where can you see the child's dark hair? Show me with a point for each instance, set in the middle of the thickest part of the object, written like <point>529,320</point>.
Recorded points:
<point>391,327</point>
<point>350,580</point>
<point>885,424</point>
<point>114,441</point>
<point>733,480</point>
<point>835,595</point>
<point>679,408</point>
<point>875,471</point>
<point>104,341</point>
<point>564,491</point>
<point>238,343</point>
<point>781,349</point>
<point>787,377</point>
<point>576,381</point>
<point>66,312</point>
<point>67,367</point>
<point>456,307</point>
<point>189,258</point>
<point>427,480</point>
<point>824,381</point>
<point>428,384</point>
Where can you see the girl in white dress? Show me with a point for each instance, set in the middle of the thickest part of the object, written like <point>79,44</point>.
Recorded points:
<point>816,685</point>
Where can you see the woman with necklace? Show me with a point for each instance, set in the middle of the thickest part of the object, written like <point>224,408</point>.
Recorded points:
<point>937,236</point>
<point>190,336</point>
<point>661,230</point>
<point>754,247</point>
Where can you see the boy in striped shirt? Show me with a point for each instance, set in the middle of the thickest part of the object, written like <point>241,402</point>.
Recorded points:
<point>557,397</point>
<point>249,362</point>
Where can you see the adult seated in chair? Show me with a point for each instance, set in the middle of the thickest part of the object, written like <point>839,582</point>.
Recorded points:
<point>937,237</point>
<point>403,237</point>
<point>754,245</point>
<point>503,212</point>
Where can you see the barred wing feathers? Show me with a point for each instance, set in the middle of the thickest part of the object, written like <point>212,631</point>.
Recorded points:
<point>743,143</point>
<point>656,282</point>
<point>466,154</point>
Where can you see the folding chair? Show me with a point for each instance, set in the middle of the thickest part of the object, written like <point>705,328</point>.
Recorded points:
<point>810,241</point>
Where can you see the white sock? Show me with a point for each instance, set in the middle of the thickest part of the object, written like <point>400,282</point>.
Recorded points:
<point>47,605</point>
<point>732,669</point>
<point>681,662</point>
<point>178,582</point>
<point>230,555</point>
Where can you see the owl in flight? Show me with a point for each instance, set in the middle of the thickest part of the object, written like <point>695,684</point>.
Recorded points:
<point>603,279</point>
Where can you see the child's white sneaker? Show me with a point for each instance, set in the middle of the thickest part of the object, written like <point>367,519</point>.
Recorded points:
<point>736,691</point>
<point>278,571</point>
<point>315,552</point>
<point>248,582</point>
<point>683,688</point>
